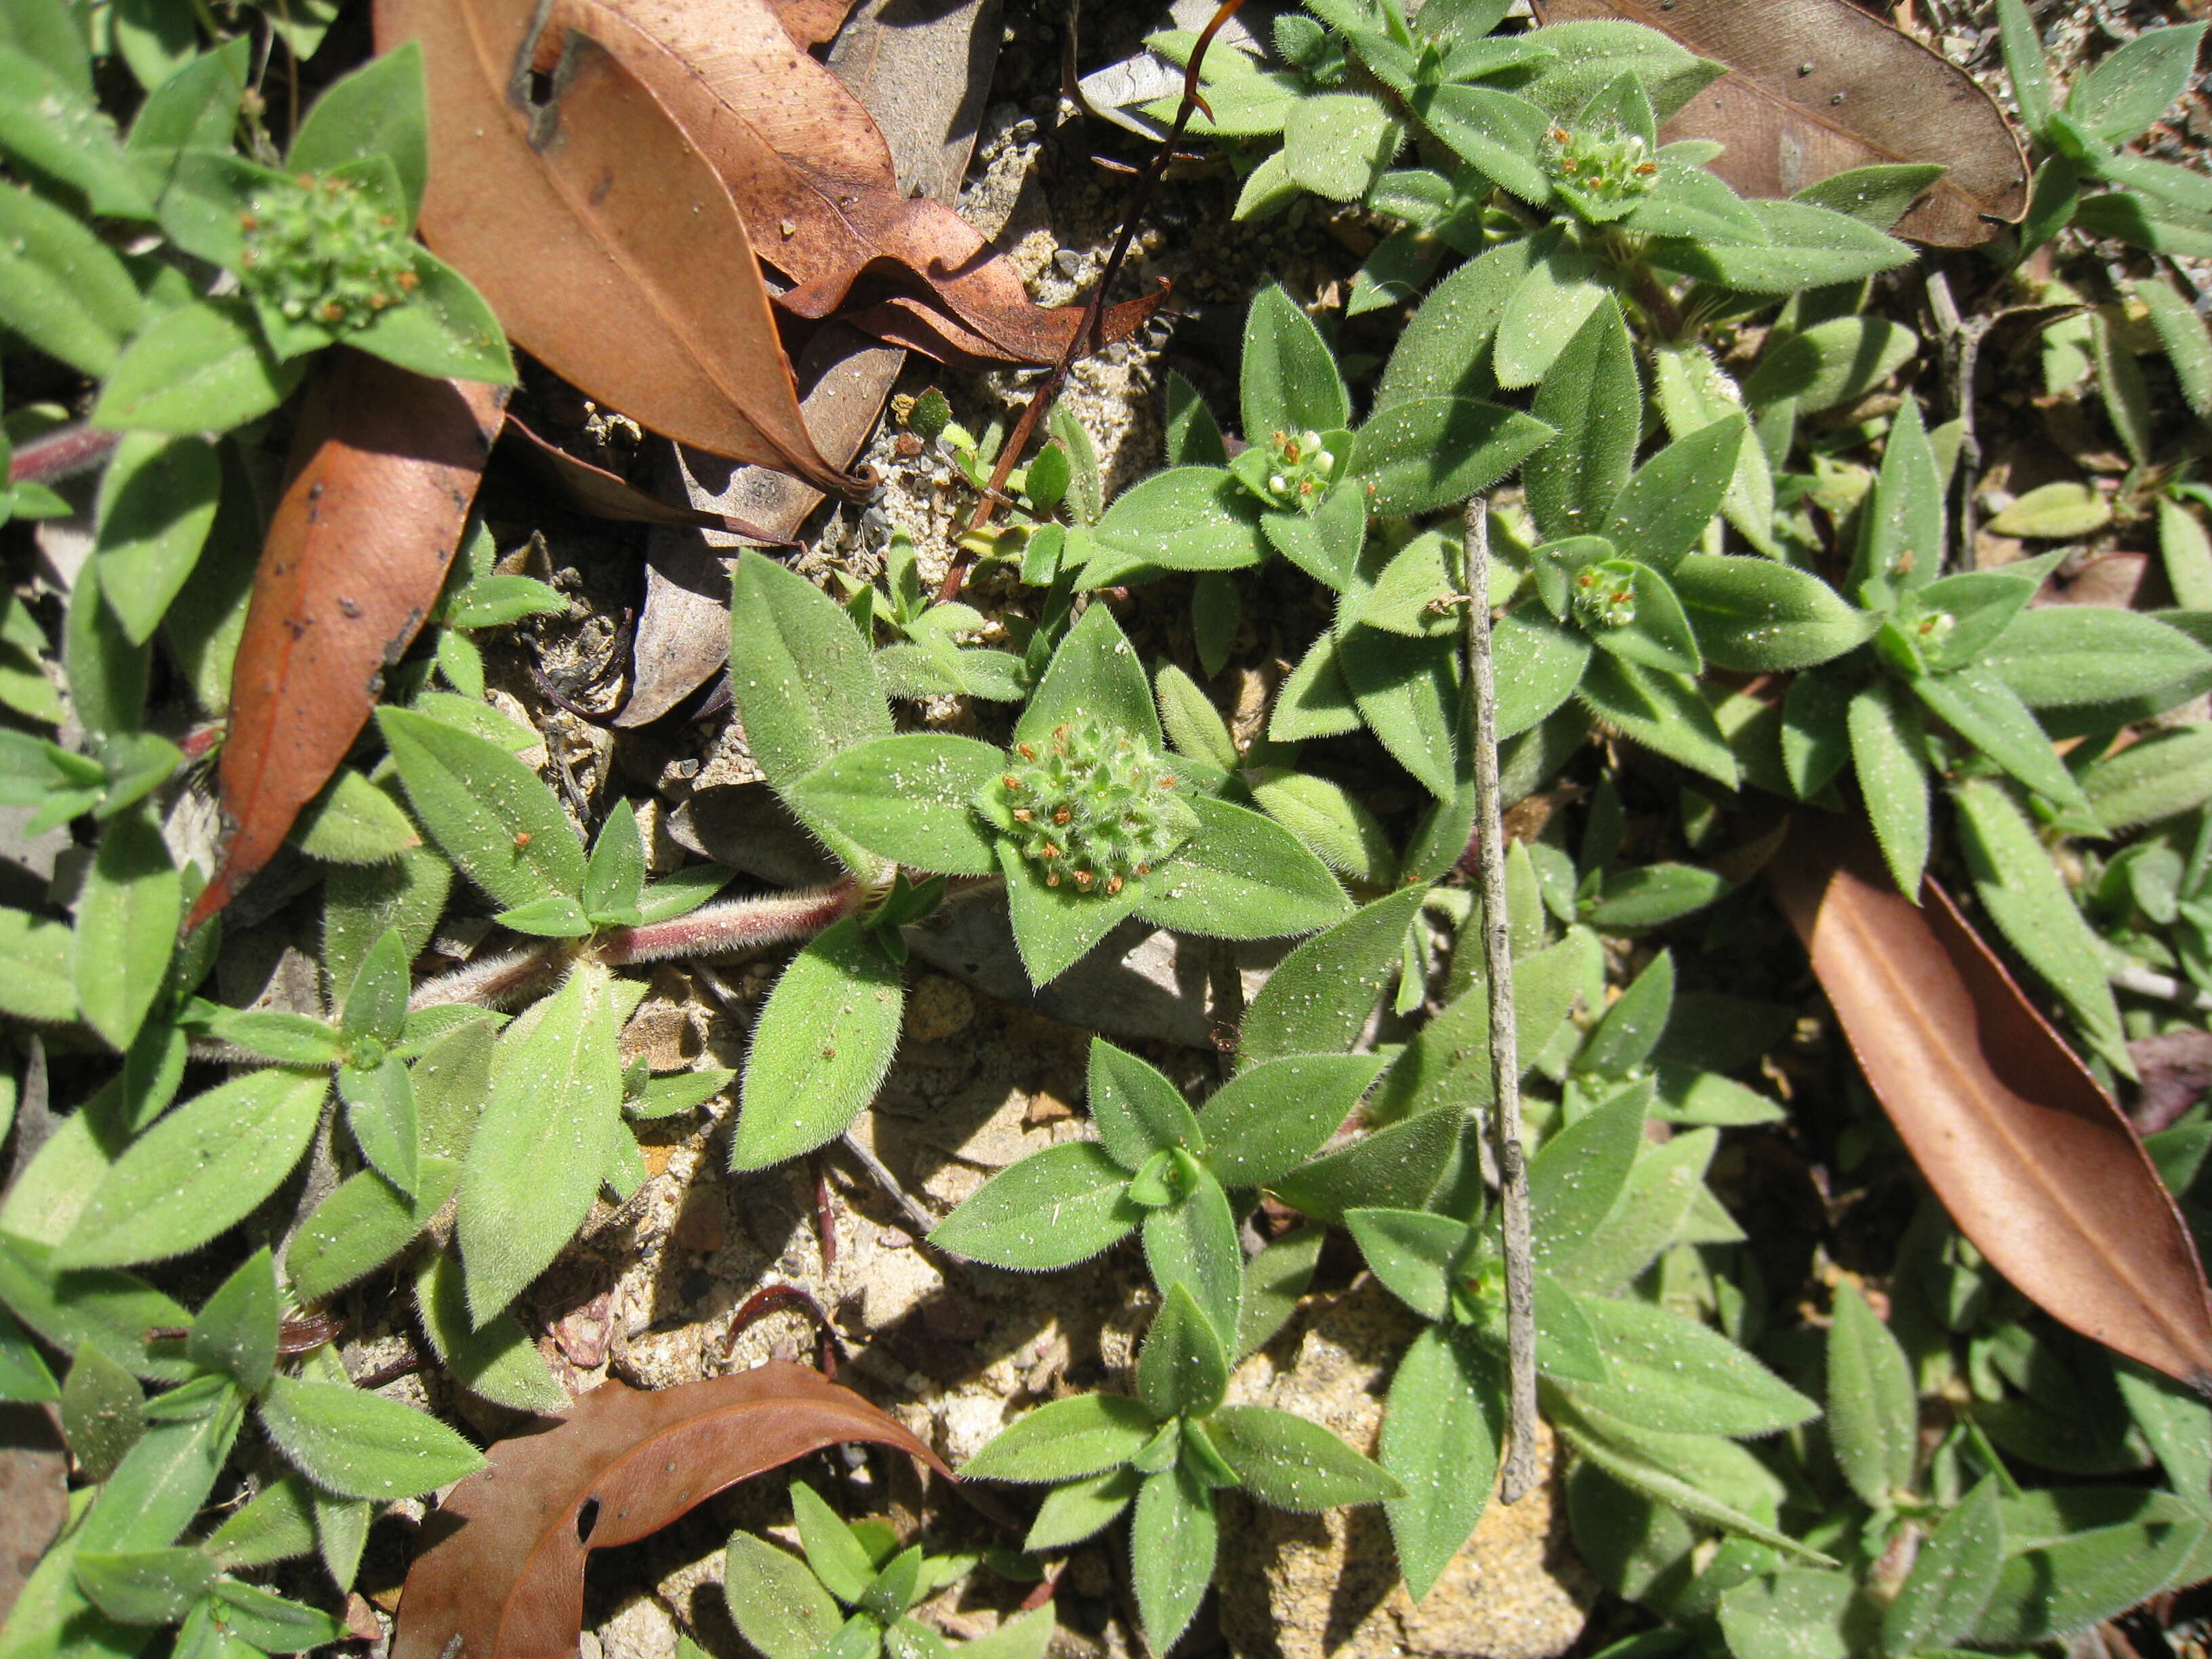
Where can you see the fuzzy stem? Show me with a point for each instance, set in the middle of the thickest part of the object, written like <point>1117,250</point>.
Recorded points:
<point>495,982</point>
<point>727,928</point>
<point>731,925</point>
<point>61,453</point>
<point>1504,1046</point>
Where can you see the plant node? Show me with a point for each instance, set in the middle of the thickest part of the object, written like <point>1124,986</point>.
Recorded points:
<point>1604,598</point>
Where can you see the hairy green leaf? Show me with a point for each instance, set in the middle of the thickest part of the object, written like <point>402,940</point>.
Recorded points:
<point>542,1144</point>
<point>200,1168</point>
<point>821,1048</point>
<point>359,1444</point>
<point>1066,1440</point>
<point>488,813</point>
<point>1053,1209</point>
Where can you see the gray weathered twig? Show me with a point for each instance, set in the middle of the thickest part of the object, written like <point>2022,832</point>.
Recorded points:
<point>1504,1048</point>
<point>2164,986</point>
<point>1962,354</point>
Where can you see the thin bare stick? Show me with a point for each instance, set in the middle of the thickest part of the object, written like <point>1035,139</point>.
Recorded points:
<point>1962,354</point>
<point>1504,1048</point>
<point>2162,987</point>
<point>1088,335</point>
<point>915,1220</point>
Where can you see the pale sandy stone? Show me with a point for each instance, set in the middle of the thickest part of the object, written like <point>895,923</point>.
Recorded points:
<point>1327,1586</point>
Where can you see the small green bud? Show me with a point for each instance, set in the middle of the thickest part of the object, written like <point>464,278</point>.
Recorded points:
<point>929,415</point>
<point>1301,470</point>
<point>1604,598</point>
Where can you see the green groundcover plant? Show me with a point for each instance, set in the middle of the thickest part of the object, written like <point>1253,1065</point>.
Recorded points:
<point>791,1607</point>
<point>1720,550</point>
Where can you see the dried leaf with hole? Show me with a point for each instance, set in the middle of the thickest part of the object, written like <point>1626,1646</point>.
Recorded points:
<point>500,1566</point>
<point>913,75</point>
<point>815,181</point>
<point>384,466</point>
<point>1820,87</point>
<point>607,246</point>
<point>2033,1160</point>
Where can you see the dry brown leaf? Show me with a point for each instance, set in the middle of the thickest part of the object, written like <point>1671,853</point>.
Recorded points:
<point>500,1567</point>
<point>809,23</point>
<point>2033,1159</point>
<point>610,250</point>
<point>917,79</point>
<point>1819,87</point>
<point>2175,1069</point>
<point>384,466</point>
<point>819,192</point>
<point>684,630</point>
<point>2119,581</point>
<point>598,494</point>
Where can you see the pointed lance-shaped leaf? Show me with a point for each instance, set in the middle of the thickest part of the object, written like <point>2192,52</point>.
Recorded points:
<point>659,310</point>
<point>384,465</point>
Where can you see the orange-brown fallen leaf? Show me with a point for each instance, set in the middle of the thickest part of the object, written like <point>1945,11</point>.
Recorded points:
<point>1819,87</point>
<point>608,247</point>
<point>2032,1158</point>
<point>814,179</point>
<point>384,466</point>
<point>500,1567</point>
<point>809,23</point>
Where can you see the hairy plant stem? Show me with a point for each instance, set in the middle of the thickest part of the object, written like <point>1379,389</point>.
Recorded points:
<point>1646,290</point>
<point>61,453</point>
<point>724,928</point>
<point>1962,350</point>
<point>1504,1048</point>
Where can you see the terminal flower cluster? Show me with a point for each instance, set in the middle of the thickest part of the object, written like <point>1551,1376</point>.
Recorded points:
<point>323,250</point>
<point>1094,806</point>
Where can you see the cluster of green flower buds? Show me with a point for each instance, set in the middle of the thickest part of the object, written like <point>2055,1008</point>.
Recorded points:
<point>1095,807</point>
<point>322,249</point>
<point>1300,468</point>
<point>1605,164</point>
<point>1605,597</point>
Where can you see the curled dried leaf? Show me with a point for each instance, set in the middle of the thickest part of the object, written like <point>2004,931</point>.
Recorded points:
<point>608,247</point>
<point>500,1568</point>
<point>815,180</point>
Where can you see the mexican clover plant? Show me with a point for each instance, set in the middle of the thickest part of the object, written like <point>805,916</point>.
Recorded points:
<point>792,1608</point>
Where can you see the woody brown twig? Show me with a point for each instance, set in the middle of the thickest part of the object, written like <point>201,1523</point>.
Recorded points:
<point>1086,338</point>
